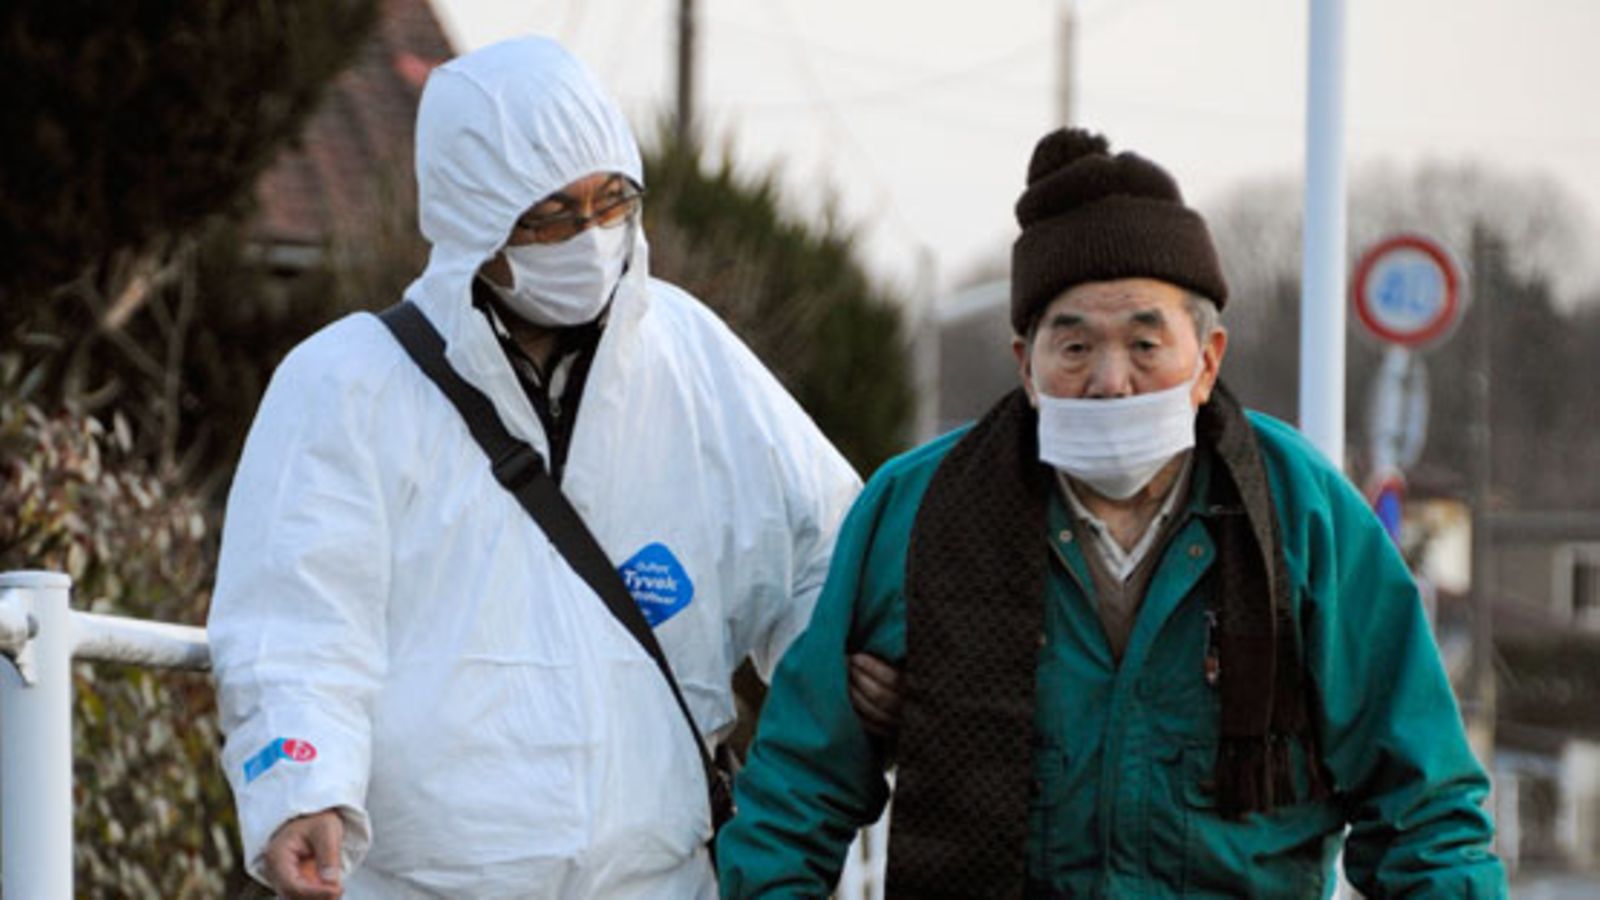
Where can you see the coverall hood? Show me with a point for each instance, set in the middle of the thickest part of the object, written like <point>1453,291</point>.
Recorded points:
<point>498,130</point>
<point>502,128</point>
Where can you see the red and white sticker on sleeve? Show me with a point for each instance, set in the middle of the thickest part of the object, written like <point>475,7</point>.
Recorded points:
<point>283,749</point>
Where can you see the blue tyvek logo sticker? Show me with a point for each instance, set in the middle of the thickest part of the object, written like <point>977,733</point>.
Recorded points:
<point>657,582</point>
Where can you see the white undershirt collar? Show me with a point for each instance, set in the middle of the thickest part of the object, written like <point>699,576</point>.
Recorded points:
<point>1120,562</point>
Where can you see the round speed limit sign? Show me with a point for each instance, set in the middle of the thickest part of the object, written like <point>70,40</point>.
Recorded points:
<point>1407,291</point>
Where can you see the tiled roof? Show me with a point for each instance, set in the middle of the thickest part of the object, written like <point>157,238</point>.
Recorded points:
<point>358,145</point>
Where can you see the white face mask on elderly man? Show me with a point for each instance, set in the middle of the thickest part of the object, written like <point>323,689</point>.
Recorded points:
<point>567,283</point>
<point>1116,445</point>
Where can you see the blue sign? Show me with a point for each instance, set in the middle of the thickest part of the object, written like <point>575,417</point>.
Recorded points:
<point>657,582</point>
<point>1388,502</point>
<point>1407,291</point>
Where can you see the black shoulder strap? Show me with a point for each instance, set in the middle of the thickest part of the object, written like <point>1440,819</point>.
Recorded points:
<point>520,469</point>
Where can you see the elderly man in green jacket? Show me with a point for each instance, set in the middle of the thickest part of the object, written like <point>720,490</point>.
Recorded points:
<point>1150,644</point>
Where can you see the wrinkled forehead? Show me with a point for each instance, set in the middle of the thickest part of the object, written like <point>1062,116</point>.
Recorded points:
<point>502,127</point>
<point>1123,303</point>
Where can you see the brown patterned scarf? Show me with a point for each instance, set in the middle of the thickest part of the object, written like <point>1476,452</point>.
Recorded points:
<point>975,576</point>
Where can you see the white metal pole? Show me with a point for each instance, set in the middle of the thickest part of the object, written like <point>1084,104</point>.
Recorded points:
<point>1322,310</point>
<point>36,757</point>
<point>153,645</point>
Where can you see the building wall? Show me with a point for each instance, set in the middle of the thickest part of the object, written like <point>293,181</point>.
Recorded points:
<point>976,365</point>
<point>1523,575</point>
<point>1579,826</point>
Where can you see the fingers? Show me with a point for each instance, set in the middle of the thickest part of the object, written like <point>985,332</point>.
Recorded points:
<point>877,721</point>
<point>875,694</point>
<point>327,838</point>
<point>877,680</point>
<point>281,861</point>
<point>874,668</point>
<point>302,859</point>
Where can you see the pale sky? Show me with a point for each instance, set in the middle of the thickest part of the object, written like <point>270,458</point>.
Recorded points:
<point>917,118</point>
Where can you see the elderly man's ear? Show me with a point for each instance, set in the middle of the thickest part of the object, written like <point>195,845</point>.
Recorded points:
<point>1212,350</point>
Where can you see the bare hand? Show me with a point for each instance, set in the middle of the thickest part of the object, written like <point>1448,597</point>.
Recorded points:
<point>875,694</point>
<point>302,859</point>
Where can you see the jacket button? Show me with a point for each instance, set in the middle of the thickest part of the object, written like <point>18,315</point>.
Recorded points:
<point>1196,551</point>
<point>1065,535</point>
<point>1042,640</point>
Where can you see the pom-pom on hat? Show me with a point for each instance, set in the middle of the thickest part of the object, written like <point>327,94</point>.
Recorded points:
<point>1088,215</point>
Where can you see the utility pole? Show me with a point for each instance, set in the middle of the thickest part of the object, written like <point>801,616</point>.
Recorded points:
<point>685,119</point>
<point>1065,62</point>
<point>1481,684</point>
<point>925,327</point>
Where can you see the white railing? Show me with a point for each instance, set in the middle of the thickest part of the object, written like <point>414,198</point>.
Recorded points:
<point>41,635</point>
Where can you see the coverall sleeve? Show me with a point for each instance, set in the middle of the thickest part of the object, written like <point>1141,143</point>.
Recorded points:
<point>1392,735</point>
<point>819,486</point>
<point>814,777</point>
<point>297,623</point>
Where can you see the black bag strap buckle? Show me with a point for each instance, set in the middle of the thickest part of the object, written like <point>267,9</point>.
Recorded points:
<point>516,466</point>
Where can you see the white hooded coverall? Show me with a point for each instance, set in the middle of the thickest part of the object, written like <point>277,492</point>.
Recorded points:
<point>392,635</point>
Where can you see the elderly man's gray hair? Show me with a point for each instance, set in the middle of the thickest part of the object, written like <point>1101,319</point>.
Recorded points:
<point>1203,310</point>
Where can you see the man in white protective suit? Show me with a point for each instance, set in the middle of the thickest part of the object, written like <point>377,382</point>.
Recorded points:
<point>420,697</point>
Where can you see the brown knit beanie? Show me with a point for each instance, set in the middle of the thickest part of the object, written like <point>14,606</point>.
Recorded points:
<point>1089,216</point>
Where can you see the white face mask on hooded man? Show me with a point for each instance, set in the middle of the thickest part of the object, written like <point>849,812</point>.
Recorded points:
<point>566,283</point>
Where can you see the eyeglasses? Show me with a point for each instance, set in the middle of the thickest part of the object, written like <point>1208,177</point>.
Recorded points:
<point>608,213</point>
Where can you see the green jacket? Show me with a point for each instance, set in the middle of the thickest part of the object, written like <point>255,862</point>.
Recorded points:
<point>1124,754</point>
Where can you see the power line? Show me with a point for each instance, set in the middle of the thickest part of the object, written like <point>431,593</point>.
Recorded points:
<point>1029,126</point>
<point>911,68</point>
<point>1111,10</point>
<point>572,21</point>
<point>911,89</point>
<point>621,48</point>
<point>836,125</point>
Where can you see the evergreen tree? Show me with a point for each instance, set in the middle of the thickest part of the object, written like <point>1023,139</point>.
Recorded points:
<point>131,123</point>
<point>794,292</point>
<point>133,129</point>
<point>136,131</point>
